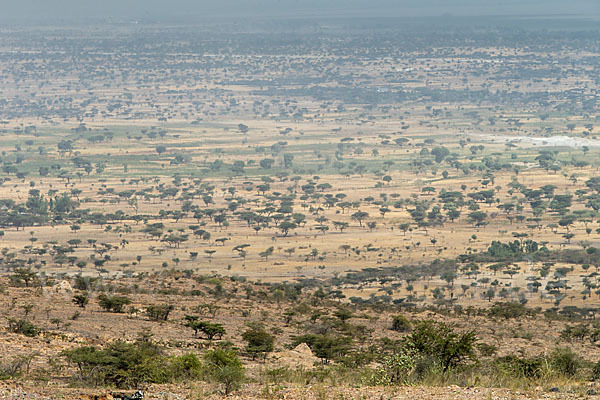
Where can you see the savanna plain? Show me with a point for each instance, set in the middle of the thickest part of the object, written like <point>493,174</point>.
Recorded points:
<point>315,209</point>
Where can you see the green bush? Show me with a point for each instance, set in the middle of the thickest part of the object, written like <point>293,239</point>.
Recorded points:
<point>209,329</point>
<point>23,327</point>
<point>16,366</point>
<point>159,312</point>
<point>81,300</point>
<point>486,350</point>
<point>397,368</point>
<point>129,365</point>
<point>85,283</point>
<point>184,368</point>
<point>596,371</point>
<point>508,310</point>
<point>442,344</point>
<point>224,367</point>
<point>113,303</point>
<point>561,362</point>
<point>532,368</point>
<point>259,341</point>
<point>326,347</point>
<point>23,277</point>
<point>577,332</point>
<point>400,324</point>
<point>429,367</point>
<point>565,361</point>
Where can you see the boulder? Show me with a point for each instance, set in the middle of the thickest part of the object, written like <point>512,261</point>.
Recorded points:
<point>62,287</point>
<point>300,356</point>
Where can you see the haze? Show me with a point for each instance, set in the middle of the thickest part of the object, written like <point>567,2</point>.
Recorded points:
<point>42,10</point>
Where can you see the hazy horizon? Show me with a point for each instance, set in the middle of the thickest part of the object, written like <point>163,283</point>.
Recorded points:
<point>73,10</point>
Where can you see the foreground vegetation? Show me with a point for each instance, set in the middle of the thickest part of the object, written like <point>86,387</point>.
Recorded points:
<point>232,333</point>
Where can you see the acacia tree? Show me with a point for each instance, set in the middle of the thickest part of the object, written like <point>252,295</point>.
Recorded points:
<point>268,252</point>
<point>26,275</point>
<point>340,225</point>
<point>286,226</point>
<point>259,341</point>
<point>359,217</point>
<point>477,218</point>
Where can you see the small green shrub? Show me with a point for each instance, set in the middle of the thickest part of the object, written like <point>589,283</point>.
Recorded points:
<point>508,310</point>
<point>531,368</point>
<point>428,368</point>
<point>84,283</point>
<point>565,361</point>
<point>561,362</point>
<point>400,324</point>
<point>577,332</point>
<point>440,342</point>
<point>113,303</point>
<point>326,347</point>
<point>397,368</point>
<point>486,350</point>
<point>209,329</point>
<point>16,366</point>
<point>224,367</point>
<point>129,365</point>
<point>184,368</point>
<point>159,312</point>
<point>259,341</point>
<point>81,300</point>
<point>23,326</point>
<point>596,371</point>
